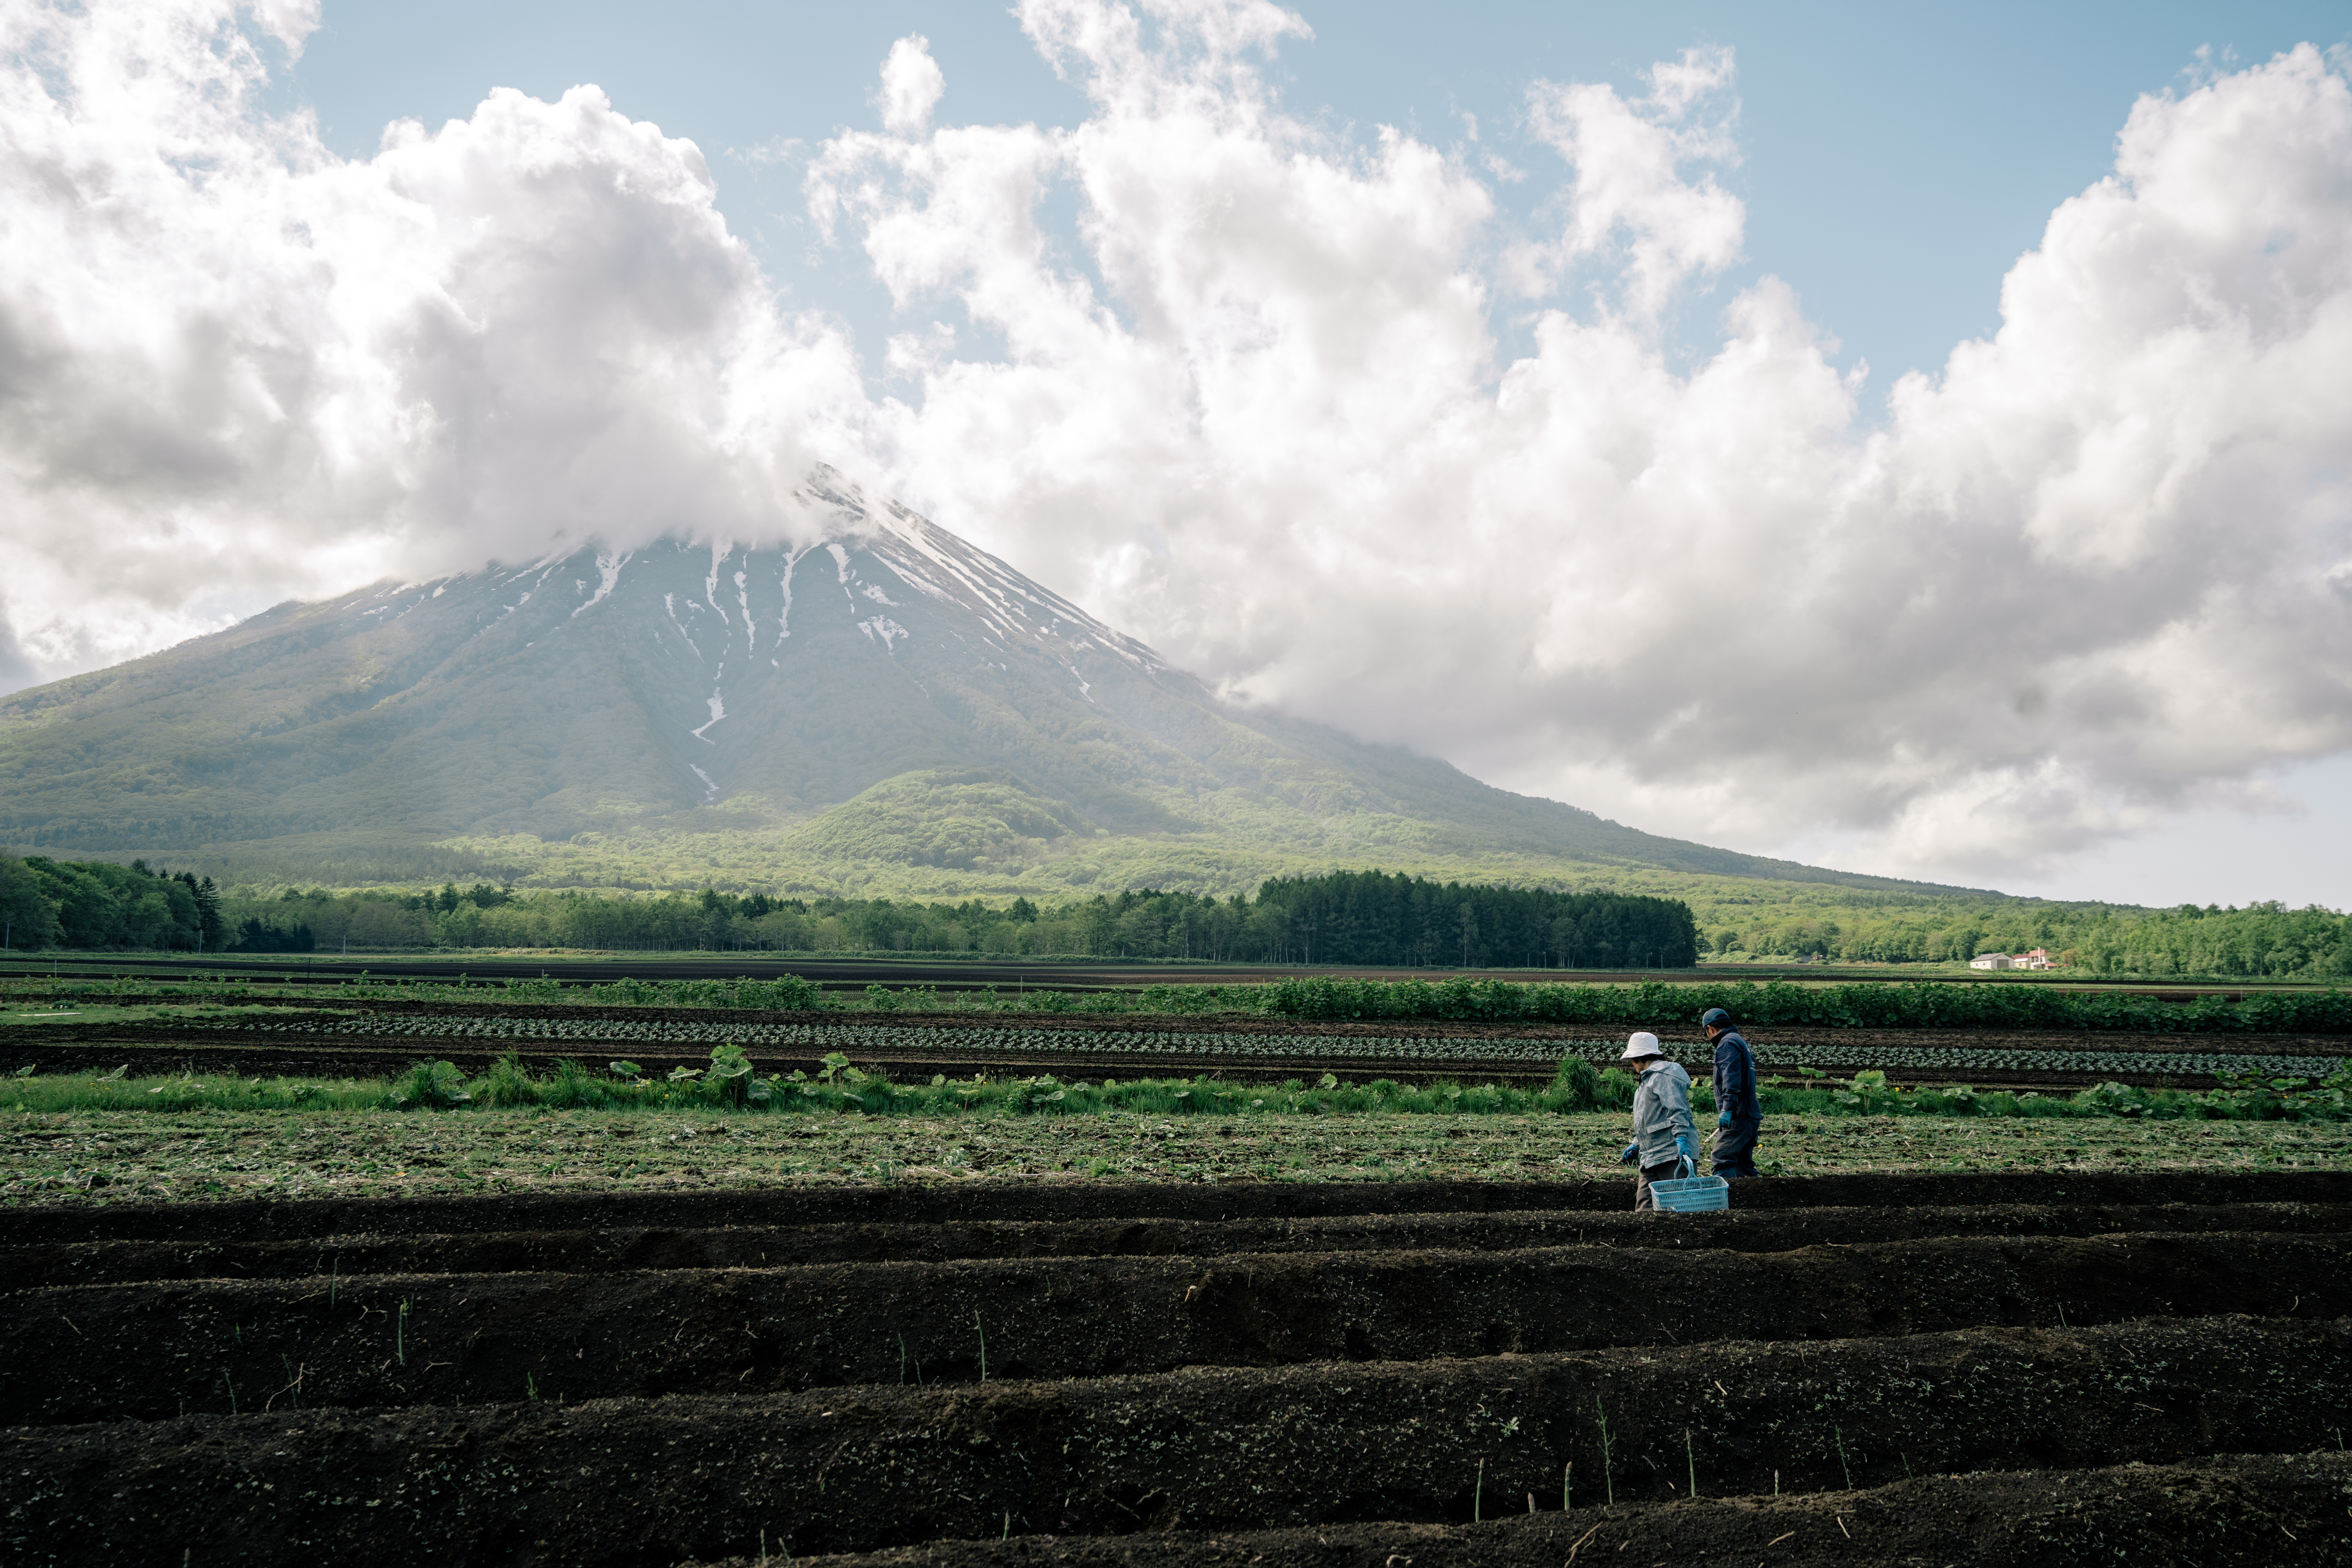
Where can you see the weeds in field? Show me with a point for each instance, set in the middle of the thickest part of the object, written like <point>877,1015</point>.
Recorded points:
<point>506,1084</point>
<point>431,1086</point>
<point>1607,1473</point>
<point>732,1083</point>
<point>293,1385</point>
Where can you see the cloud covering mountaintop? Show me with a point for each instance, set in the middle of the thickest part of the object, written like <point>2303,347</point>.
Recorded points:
<point>1256,406</point>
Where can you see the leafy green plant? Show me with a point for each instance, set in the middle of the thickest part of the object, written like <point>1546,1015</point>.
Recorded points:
<point>430,1086</point>
<point>729,1077</point>
<point>507,1084</point>
<point>1580,1083</point>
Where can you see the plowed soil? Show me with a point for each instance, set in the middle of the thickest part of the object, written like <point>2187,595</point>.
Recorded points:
<point>1935,1369</point>
<point>628,1248</point>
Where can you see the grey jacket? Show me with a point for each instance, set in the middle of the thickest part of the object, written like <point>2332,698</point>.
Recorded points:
<point>1662,1110</point>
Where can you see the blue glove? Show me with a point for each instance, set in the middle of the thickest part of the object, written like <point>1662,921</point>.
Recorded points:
<point>1723,1119</point>
<point>1632,1153</point>
<point>1683,1144</point>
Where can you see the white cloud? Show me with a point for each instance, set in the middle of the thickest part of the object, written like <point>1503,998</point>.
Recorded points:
<point>1629,194</point>
<point>236,366</point>
<point>911,85</point>
<point>1254,407</point>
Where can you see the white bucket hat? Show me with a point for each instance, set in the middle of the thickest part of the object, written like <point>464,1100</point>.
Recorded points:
<point>1643,1043</point>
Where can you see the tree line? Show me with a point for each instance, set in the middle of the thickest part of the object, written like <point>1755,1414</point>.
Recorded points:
<point>1343,919</point>
<point>97,903</point>
<point>2260,940</point>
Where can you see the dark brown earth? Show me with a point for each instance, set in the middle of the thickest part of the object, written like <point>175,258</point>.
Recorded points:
<point>1207,1450</point>
<point>963,1203</point>
<point>149,1350</point>
<point>632,1248</point>
<point>2223,1513</point>
<point>2116,1368</point>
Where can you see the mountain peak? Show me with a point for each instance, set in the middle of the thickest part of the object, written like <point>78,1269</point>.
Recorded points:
<point>885,706</point>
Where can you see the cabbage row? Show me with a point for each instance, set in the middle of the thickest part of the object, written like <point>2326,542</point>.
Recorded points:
<point>869,1041</point>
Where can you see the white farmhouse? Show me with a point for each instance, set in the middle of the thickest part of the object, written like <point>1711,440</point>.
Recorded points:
<point>1992,961</point>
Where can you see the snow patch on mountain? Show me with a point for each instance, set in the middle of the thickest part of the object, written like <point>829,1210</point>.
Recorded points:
<point>719,554</point>
<point>669,605</point>
<point>608,573</point>
<point>717,709</point>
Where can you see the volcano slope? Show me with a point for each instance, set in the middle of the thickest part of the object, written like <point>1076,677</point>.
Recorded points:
<point>1933,1369</point>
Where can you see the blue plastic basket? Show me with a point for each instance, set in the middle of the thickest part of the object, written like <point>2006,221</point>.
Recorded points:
<point>1692,1195</point>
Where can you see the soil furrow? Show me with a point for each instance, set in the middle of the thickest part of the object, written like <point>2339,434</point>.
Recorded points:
<point>2227,1512</point>
<point>152,1350</point>
<point>642,1481</point>
<point>750,1246</point>
<point>976,1201</point>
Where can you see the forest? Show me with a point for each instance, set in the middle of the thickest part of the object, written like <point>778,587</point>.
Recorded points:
<point>1345,918</point>
<point>1341,918</point>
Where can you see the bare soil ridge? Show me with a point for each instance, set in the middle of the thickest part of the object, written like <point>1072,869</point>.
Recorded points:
<point>1937,1368</point>
<point>650,1247</point>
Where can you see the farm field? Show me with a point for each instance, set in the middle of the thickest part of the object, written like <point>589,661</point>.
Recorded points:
<point>2022,1366</point>
<point>353,1042</point>
<point>116,1157</point>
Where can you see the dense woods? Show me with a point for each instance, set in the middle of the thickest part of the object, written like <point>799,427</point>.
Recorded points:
<point>97,903</point>
<point>2260,940</point>
<point>1344,917</point>
<point>1359,918</point>
<point>1349,918</point>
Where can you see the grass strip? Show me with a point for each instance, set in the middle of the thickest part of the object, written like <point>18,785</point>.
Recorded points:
<point>107,1156</point>
<point>729,1083</point>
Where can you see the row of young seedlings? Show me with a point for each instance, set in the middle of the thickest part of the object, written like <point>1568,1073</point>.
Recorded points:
<point>874,1039</point>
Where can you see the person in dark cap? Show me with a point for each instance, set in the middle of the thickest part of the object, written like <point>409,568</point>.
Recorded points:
<point>1739,1117</point>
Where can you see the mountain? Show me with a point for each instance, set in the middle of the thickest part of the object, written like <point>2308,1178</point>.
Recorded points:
<point>889,710</point>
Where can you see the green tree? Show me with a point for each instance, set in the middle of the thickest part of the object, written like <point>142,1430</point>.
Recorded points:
<point>29,914</point>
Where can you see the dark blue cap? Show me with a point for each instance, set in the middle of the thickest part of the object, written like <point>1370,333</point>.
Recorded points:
<point>1712,1017</point>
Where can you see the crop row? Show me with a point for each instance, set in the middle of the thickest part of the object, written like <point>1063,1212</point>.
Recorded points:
<point>1926,1004</point>
<point>873,1039</point>
<point>867,1040</point>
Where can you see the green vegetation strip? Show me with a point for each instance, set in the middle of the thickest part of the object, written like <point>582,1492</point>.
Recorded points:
<point>731,1083</point>
<point>108,1156</point>
<point>1996,1005</point>
<point>878,1039</point>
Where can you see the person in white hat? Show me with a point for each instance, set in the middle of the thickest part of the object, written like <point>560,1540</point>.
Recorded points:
<point>1666,1139</point>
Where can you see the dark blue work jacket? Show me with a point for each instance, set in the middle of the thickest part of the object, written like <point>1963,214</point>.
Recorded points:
<point>1735,1078</point>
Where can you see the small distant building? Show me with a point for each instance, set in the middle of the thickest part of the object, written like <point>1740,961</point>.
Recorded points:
<point>2038,959</point>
